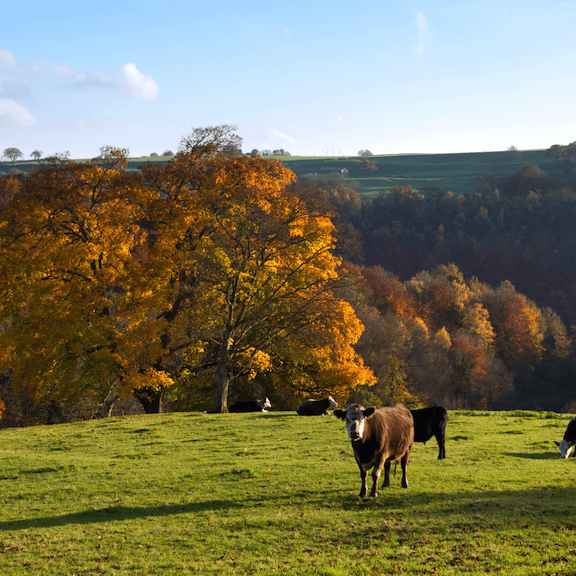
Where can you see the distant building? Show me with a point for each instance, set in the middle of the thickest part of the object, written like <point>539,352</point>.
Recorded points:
<point>343,171</point>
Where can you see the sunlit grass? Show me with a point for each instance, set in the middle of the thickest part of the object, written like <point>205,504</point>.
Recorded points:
<point>269,493</point>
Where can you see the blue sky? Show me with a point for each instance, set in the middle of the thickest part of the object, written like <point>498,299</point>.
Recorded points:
<point>312,77</point>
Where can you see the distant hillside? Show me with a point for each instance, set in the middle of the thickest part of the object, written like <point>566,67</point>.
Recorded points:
<point>457,173</point>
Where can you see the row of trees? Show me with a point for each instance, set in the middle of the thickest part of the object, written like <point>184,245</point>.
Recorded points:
<point>277,152</point>
<point>216,277</point>
<point>441,338</point>
<point>196,276</point>
<point>14,154</point>
<point>518,227</point>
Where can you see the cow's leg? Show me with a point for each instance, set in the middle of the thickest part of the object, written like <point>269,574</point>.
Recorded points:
<point>441,446</point>
<point>363,476</point>
<point>376,476</point>
<point>386,482</point>
<point>404,465</point>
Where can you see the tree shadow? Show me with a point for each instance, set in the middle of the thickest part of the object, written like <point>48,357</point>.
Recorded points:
<point>118,513</point>
<point>123,513</point>
<point>534,456</point>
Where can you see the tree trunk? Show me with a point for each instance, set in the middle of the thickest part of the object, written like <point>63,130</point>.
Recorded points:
<point>223,376</point>
<point>150,399</point>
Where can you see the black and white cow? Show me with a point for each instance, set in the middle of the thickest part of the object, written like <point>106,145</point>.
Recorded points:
<point>379,437</point>
<point>316,407</point>
<point>567,443</point>
<point>251,406</point>
<point>430,422</point>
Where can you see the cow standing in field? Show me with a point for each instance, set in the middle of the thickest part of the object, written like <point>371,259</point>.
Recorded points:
<point>379,437</point>
<point>251,406</point>
<point>567,443</point>
<point>430,422</point>
<point>316,407</point>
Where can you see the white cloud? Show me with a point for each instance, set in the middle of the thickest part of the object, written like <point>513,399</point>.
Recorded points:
<point>339,118</point>
<point>61,70</point>
<point>8,58</point>
<point>272,132</point>
<point>423,32</point>
<point>13,114</point>
<point>137,84</point>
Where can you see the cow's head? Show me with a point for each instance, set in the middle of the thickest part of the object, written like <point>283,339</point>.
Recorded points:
<point>332,402</point>
<point>565,447</point>
<point>354,416</point>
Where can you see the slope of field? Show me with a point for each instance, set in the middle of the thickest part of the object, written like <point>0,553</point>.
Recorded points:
<point>457,173</point>
<point>276,493</point>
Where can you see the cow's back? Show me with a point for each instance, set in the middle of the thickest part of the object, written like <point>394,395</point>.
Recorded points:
<point>389,431</point>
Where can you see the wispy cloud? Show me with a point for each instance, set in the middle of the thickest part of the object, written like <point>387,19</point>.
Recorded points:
<point>276,134</point>
<point>8,58</point>
<point>14,114</point>
<point>126,79</point>
<point>423,32</point>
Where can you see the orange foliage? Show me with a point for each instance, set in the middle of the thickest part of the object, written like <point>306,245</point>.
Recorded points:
<point>389,293</point>
<point>209,264</point>
<point>518,332</point>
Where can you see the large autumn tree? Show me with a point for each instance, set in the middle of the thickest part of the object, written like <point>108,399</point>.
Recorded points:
<point>210,266</point>
<point>66,238</point>
<point>246,270</point>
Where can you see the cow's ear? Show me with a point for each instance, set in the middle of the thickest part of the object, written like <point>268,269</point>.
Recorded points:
<point>369,411</point>
<point>340,414</point>
<point>557,443</point>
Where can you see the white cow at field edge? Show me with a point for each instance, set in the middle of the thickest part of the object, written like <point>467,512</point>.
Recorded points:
<point>567,443</point>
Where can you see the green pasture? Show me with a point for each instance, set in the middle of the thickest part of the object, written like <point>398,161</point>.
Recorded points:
<point>276,493</point>
<point>457,173</point>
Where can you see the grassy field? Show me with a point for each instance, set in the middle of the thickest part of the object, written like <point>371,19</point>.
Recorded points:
<point>275,493</point>
<point>457,173</point>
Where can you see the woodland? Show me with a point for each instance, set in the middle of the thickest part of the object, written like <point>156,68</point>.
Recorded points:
<point>216,277</point>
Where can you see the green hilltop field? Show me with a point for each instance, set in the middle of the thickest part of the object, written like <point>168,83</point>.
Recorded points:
<point>457,173</point>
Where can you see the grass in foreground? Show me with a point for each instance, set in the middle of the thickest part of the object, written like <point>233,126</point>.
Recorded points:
<point>272,493</point>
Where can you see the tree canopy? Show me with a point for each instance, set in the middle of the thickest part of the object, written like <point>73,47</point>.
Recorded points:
<point>12,154</point>
<point>207,269</point>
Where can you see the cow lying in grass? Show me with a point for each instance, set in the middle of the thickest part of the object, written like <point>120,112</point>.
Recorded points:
<point>316,407</point>
<point>430,422</point>
<point>251,406</point>
<point>379,437</point>
<point>567,443</point>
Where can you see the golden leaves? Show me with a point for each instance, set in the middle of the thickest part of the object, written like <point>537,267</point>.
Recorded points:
<point>130,279</point>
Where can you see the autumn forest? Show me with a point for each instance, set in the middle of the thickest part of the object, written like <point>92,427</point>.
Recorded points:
<point>217,276</point>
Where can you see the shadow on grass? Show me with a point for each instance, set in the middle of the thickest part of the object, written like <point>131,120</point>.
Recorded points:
<point>123,513</point>
<point>549,500</point>
<point>534,456</point>
<point>111,513</point>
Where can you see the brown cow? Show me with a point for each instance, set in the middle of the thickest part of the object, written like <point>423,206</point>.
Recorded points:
<point>379,436</point>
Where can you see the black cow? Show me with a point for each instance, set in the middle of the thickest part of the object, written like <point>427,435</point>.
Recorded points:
<point>567,443</point>
<point>251,406</point>
<point>430,422</point>
<point>379,436</point>
<point>316,407</point>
